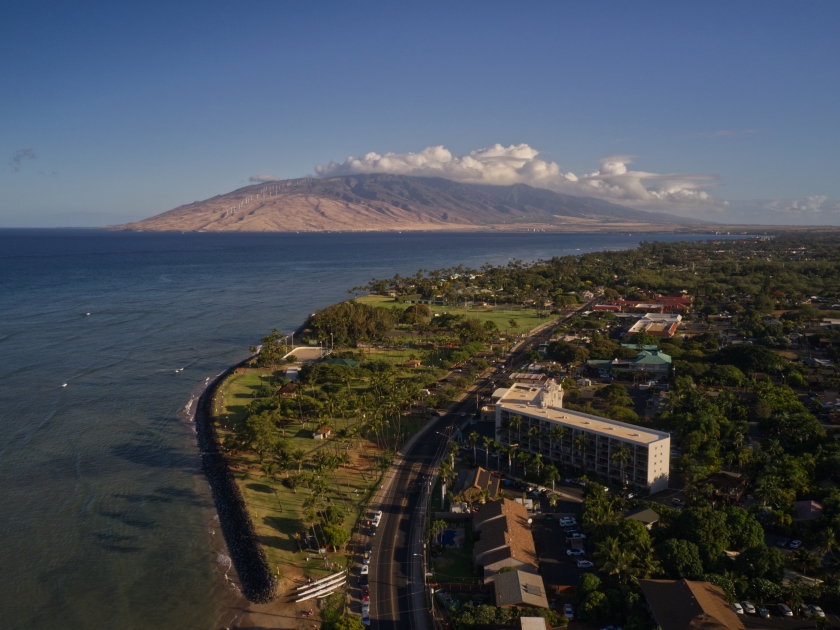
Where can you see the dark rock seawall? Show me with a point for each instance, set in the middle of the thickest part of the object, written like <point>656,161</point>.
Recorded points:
<point>246,552</point>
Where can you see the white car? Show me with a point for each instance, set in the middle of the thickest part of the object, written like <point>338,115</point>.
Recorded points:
<point>737,608</point>
<point>576,535</point>
<point>575,552</point>
<point>566,521</point>
<point>816,610</point>
<point>748,607</point>
<point>569,612</point>
<point>795,544</point>
<point>585,564</point>
<point>365,570</point>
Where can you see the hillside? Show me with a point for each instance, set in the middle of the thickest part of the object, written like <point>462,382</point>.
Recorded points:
<point>398,202</point>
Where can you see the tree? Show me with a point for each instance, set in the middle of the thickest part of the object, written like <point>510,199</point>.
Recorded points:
<point>472,440</point>
<point>748,358</point>
<point>435,529</point>
<point>297,455</point>
<point>761,561</point>
<point>744,530</point>
<point>706,528</point>
<point>566,352</point>
<point>487,443</point>
<point>595,607</point>
<point>680,559</point>
<point>262,433</point>
<point>335,536</point>
<point>621,455</point>
<point>348,622</point>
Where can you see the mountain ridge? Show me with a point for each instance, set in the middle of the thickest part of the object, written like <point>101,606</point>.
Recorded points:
<point>382,202</point>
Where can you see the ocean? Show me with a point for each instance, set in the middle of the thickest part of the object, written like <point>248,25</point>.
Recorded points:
<point>106,518</point>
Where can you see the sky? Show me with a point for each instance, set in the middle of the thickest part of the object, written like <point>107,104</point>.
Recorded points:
<point>112,112</point>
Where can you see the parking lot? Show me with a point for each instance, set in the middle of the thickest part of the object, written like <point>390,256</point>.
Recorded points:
<point>557,568</point>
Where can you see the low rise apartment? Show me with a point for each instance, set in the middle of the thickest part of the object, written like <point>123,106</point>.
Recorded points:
<point>612,450</point>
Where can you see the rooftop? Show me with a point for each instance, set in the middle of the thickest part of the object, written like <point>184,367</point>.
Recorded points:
<point>686,605</point>
<point>583,421</point>
<point>517,588</point>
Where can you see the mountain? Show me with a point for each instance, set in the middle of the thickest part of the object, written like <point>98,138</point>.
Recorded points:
<point>399,202</point>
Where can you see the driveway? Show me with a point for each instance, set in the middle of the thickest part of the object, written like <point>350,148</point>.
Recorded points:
<point>557,568</point>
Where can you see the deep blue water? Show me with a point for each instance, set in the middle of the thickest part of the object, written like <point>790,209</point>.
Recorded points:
<point>106,518</point>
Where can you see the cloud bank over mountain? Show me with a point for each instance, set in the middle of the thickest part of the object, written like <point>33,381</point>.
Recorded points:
<point>499,165</point>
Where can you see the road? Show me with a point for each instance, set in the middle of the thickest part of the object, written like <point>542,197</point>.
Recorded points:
<point>397,555</point>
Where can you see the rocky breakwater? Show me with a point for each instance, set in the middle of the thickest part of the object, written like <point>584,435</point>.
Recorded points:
<point>246,552</point>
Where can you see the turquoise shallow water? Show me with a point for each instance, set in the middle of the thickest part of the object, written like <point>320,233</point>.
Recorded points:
<point>105,515</point>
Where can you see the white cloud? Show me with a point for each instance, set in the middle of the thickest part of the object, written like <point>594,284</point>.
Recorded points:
<point>520,164</point>
<point>811,210</point>
<point>259,179</point>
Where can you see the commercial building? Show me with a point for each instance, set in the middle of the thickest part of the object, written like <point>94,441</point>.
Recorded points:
<point>644,459</point>
<point>653,362</point>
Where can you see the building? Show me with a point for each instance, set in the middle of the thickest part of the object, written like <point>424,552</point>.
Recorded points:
<point>686,605</point>
<point>321,434</point>
<point>517,588</point>
<point>541,406</point>
<point>807,510</point>
<point>662,329</point>
<point>653,304</point>
<point>650,361</point>
<point>474,482</point>
<point>728,487</point>
<point>645,516</point>
<point>505,539</point>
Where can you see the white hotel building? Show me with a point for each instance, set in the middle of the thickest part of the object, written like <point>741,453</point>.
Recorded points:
<point>541,406</point>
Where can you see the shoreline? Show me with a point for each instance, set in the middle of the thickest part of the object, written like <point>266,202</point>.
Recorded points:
<point>241,539</point>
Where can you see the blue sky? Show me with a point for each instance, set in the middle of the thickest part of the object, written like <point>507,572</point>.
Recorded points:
<point>118,111</point>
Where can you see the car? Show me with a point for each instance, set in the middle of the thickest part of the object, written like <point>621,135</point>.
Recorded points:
<point>677,502</point>
<point>365,591</point>
<point>816,610</point>
<point>566,521</point>
<point>363,581</point>
<point>569,612</point>
<point>585,564</point>
<point>630,495</point>
<point>795,544</point>
<point>570,480</point>
<point>784,610</point>
<point>782,542</point>
<point>803,610</point>
<point>366,559</point>
<point>366,598</point>
<point>737,608</point>
<point>372,531</point>
<point>575,552</point>
<point>576,535</point>
<point>365,570</point>
<point>748,607</point>
<point>368,546</point>
<point>366,607</point>
<point>611,628</point>
<point>763,612</point>
<point>366,619</point>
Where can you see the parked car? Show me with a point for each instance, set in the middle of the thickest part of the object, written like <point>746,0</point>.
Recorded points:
<point>366,559</point>
<point>368,546</point>
<point>784,610</point>
<point>816,610</point>
<point>795,544</point>
<point>363,581</point>
<point>585,564</point>
<point>569,612</point>
<point>567,521</point>
<point>576,535</point>
<point>737,608</point>
<point>763,612</point>
<point>365,591</point>
<point>748,607</point>
<point>803,610</point>
<point>575,552</point>
<point>570,480</point>
<point>366,618</point>
<point>365,570</point>
<point>675,501</point>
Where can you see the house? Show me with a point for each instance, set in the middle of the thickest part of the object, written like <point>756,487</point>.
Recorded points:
<point>533,623</point>
<point>727,486</point>
<point>807,510</point>
<point>321,434</point>
<point>287,391</point>
<point>517,588</point>
<point>413,363</point>
<point>645,516</point>
<point>505,539</point>
<point>475,481</point>
<point>687,605</point>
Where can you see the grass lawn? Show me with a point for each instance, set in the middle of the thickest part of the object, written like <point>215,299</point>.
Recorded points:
<point>454,564</point>
<point>526,318</point>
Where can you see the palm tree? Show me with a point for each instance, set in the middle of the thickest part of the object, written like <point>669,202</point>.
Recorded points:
<point>533,432</point>
<point>551,474</point>
<point>580,445</point>
<point>557,433</point>
<point>537,460</point>
<point>269,469</point>
<point>435,529</point>
<point>453,453</point>
<point>516,423</point>
<point>827,542</point>
<point>472,439</point>
<point>297,455</point>
<point>487,442</point>
<point>552,500</point>
<point>524,459</point>
<point>621,455</point>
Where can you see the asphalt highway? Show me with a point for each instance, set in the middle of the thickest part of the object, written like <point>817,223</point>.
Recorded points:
<point>397,562</point>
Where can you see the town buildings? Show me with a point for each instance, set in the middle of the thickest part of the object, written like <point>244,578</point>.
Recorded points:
<point>611,450</point>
